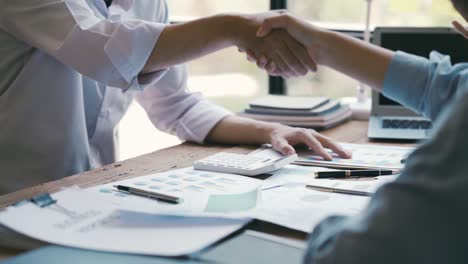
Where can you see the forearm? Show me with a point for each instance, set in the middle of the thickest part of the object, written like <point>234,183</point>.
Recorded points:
<point>240,130</point>
<point>183,42</point>
<point>362,61</point>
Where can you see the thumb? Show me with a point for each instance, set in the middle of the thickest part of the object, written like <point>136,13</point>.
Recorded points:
<point>265,29</point>
<point>460,28</point>
<point>280,21</point>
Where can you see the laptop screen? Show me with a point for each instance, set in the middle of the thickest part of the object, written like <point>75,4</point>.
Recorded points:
<point>419,43</point>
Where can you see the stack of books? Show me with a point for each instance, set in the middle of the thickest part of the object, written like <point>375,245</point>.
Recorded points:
<point>311,112</point>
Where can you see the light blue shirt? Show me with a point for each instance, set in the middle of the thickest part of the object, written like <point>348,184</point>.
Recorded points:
<point>68,71</point>
<point>421,217</point>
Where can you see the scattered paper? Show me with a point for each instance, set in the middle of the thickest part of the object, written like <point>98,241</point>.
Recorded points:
<point>291,174</point>
<point>84,220</point>
<point>364,156</point>
<point>301,208</point>
<point>203,193</point>
<point>304,175</point>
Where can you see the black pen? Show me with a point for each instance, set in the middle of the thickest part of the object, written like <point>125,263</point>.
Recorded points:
<point>149,194</point>
<point>353,173</point>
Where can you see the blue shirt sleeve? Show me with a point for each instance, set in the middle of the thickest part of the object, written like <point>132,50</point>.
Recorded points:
<point>424,85</point>
<point>421,216</point>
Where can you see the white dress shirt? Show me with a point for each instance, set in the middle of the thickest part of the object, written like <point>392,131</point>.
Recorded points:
<point>68,71</point>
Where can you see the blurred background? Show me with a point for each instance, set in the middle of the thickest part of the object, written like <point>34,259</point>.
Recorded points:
<point>227,78</point>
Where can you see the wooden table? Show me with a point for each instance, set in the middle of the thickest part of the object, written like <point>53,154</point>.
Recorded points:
<point>167,159</point>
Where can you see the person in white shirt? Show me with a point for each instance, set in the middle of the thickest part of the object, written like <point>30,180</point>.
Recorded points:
<point>70,68</point>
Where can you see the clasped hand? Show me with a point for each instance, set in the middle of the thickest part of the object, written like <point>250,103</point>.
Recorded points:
<point>278,53</point>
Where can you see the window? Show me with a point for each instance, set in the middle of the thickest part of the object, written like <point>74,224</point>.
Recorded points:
<point>225,77</point>
<point>199,8</point>
<point>350,14</point>
<point>228,79</point>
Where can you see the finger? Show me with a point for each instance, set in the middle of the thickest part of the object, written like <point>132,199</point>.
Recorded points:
<point>281,66</point>
<point>251,56</point>
<point>334,146</point>
<point>271,69</point>
<point>460,28</point>
<point>262,61</point>
<point>283,146</point>
<point>293,64</point>
<point>308,138</point>
<point>301,54</point>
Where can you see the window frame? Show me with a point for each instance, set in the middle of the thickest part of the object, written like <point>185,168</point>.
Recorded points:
<point>277,85</point>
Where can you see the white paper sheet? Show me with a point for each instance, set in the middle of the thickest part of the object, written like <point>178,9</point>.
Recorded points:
<point>364,156</point>
<point>84,220</point>
<point>291,174</point>
<point>303,175</point>
<point>203,193</point>
<point>302,209</point>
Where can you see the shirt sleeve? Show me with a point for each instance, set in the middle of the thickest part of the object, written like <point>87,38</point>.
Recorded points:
<point>424,85</point>
<point>174,109</point>
<point>110,51</point>
<point>419,218</point>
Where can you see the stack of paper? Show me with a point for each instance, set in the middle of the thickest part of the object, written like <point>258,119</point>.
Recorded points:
<point>313,112</point>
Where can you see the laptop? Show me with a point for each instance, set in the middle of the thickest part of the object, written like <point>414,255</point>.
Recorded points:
<point>389,119</point>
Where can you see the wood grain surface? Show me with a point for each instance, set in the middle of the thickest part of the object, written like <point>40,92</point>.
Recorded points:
<point>167,159</point>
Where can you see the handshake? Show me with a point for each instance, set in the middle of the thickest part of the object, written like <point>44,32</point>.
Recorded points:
<point>279,43</point>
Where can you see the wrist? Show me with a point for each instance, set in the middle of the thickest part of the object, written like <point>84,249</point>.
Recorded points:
<point>266,131</point>
<point>242,30</point>
<point>324,46</point>
<point>319,45</point>
<point>232,25</point>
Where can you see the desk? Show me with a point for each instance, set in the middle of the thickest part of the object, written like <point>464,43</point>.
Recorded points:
<point>172,158</point>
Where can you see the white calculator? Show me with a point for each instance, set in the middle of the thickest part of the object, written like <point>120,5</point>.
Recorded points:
<point>249,165</point>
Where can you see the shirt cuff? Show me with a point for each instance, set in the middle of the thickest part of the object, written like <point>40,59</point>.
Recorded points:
<point>148,79</point>
<point>129,49</point>
<point>200,120</point>
<point>406,79</point>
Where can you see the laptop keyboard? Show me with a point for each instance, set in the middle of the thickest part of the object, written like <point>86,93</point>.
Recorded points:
<point>406,124</point>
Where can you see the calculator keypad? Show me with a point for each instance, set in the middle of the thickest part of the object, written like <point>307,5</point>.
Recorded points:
<point>231,160</point>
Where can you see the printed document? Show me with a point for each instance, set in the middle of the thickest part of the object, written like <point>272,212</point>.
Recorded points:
<point>84,220</point>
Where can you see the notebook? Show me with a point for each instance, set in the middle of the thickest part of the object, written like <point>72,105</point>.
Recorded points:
<point>289,102</point>
<point>317,111</point>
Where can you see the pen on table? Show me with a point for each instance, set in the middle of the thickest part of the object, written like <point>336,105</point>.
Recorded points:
<point>337,190</point>
<point>149,194</point>
<point>353,173</point>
